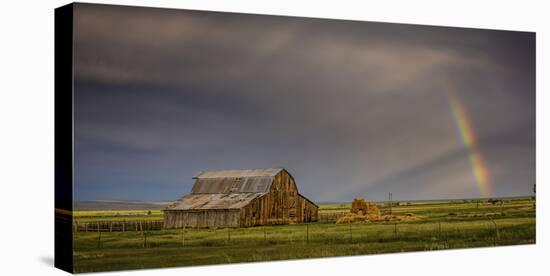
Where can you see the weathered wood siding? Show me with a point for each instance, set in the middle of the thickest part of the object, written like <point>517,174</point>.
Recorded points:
<point>201,218</point>
<point>309,210</point>
<point>281,205</point>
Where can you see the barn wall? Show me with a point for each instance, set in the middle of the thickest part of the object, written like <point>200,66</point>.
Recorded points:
<point>282,205</point>
<point>310,212</point>
<point>201,218</point>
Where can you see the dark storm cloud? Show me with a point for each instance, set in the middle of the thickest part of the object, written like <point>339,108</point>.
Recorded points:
<point>349,108</point>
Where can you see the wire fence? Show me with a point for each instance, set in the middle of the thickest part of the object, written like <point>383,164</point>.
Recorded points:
<point>151,234</point>
<point>117,226</point>
<point>149,225</point>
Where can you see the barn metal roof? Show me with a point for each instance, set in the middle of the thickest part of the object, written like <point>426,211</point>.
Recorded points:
<point>239,173</point>
<point>214,201</point>
<point>234,181</point>
<point>226,189</point>
<point>232,185</point>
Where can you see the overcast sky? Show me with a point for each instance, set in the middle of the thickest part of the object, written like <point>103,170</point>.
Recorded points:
<point>350,109</point>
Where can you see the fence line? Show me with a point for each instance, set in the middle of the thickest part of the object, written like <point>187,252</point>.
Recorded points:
<point>135,225</point>
<point>232,236</point>
<point>117,226</point>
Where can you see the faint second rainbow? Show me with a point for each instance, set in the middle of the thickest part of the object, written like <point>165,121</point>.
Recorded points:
<point>468,137</point>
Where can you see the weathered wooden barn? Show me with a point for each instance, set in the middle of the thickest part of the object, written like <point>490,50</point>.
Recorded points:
<point>241,198</point>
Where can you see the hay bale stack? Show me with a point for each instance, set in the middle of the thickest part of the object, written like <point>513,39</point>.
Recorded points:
<point>347,218</point>
<point>362,207</point>
<point>373,212</point>
<point>361,210</point>
<point>359,205</point>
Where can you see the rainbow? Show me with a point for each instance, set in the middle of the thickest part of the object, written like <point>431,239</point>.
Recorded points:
<point>468,137</point>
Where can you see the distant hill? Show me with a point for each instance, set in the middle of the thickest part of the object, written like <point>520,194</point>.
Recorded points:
<point>120,205</point>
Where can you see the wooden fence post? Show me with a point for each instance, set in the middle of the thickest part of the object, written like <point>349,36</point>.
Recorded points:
<point>99,239</point>
<point>350,233</point>
<point>142,234</point>
<point>395,229</point>
<point>497,235</point>
<point>183,236</point>
<point>228,234</point>
<point>439,222</point>
<point>307,233</point>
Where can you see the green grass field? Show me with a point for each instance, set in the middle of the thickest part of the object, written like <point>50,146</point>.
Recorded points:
<point>445,225</point>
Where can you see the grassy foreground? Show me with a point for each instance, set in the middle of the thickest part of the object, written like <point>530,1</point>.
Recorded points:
<point>445,225</point>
